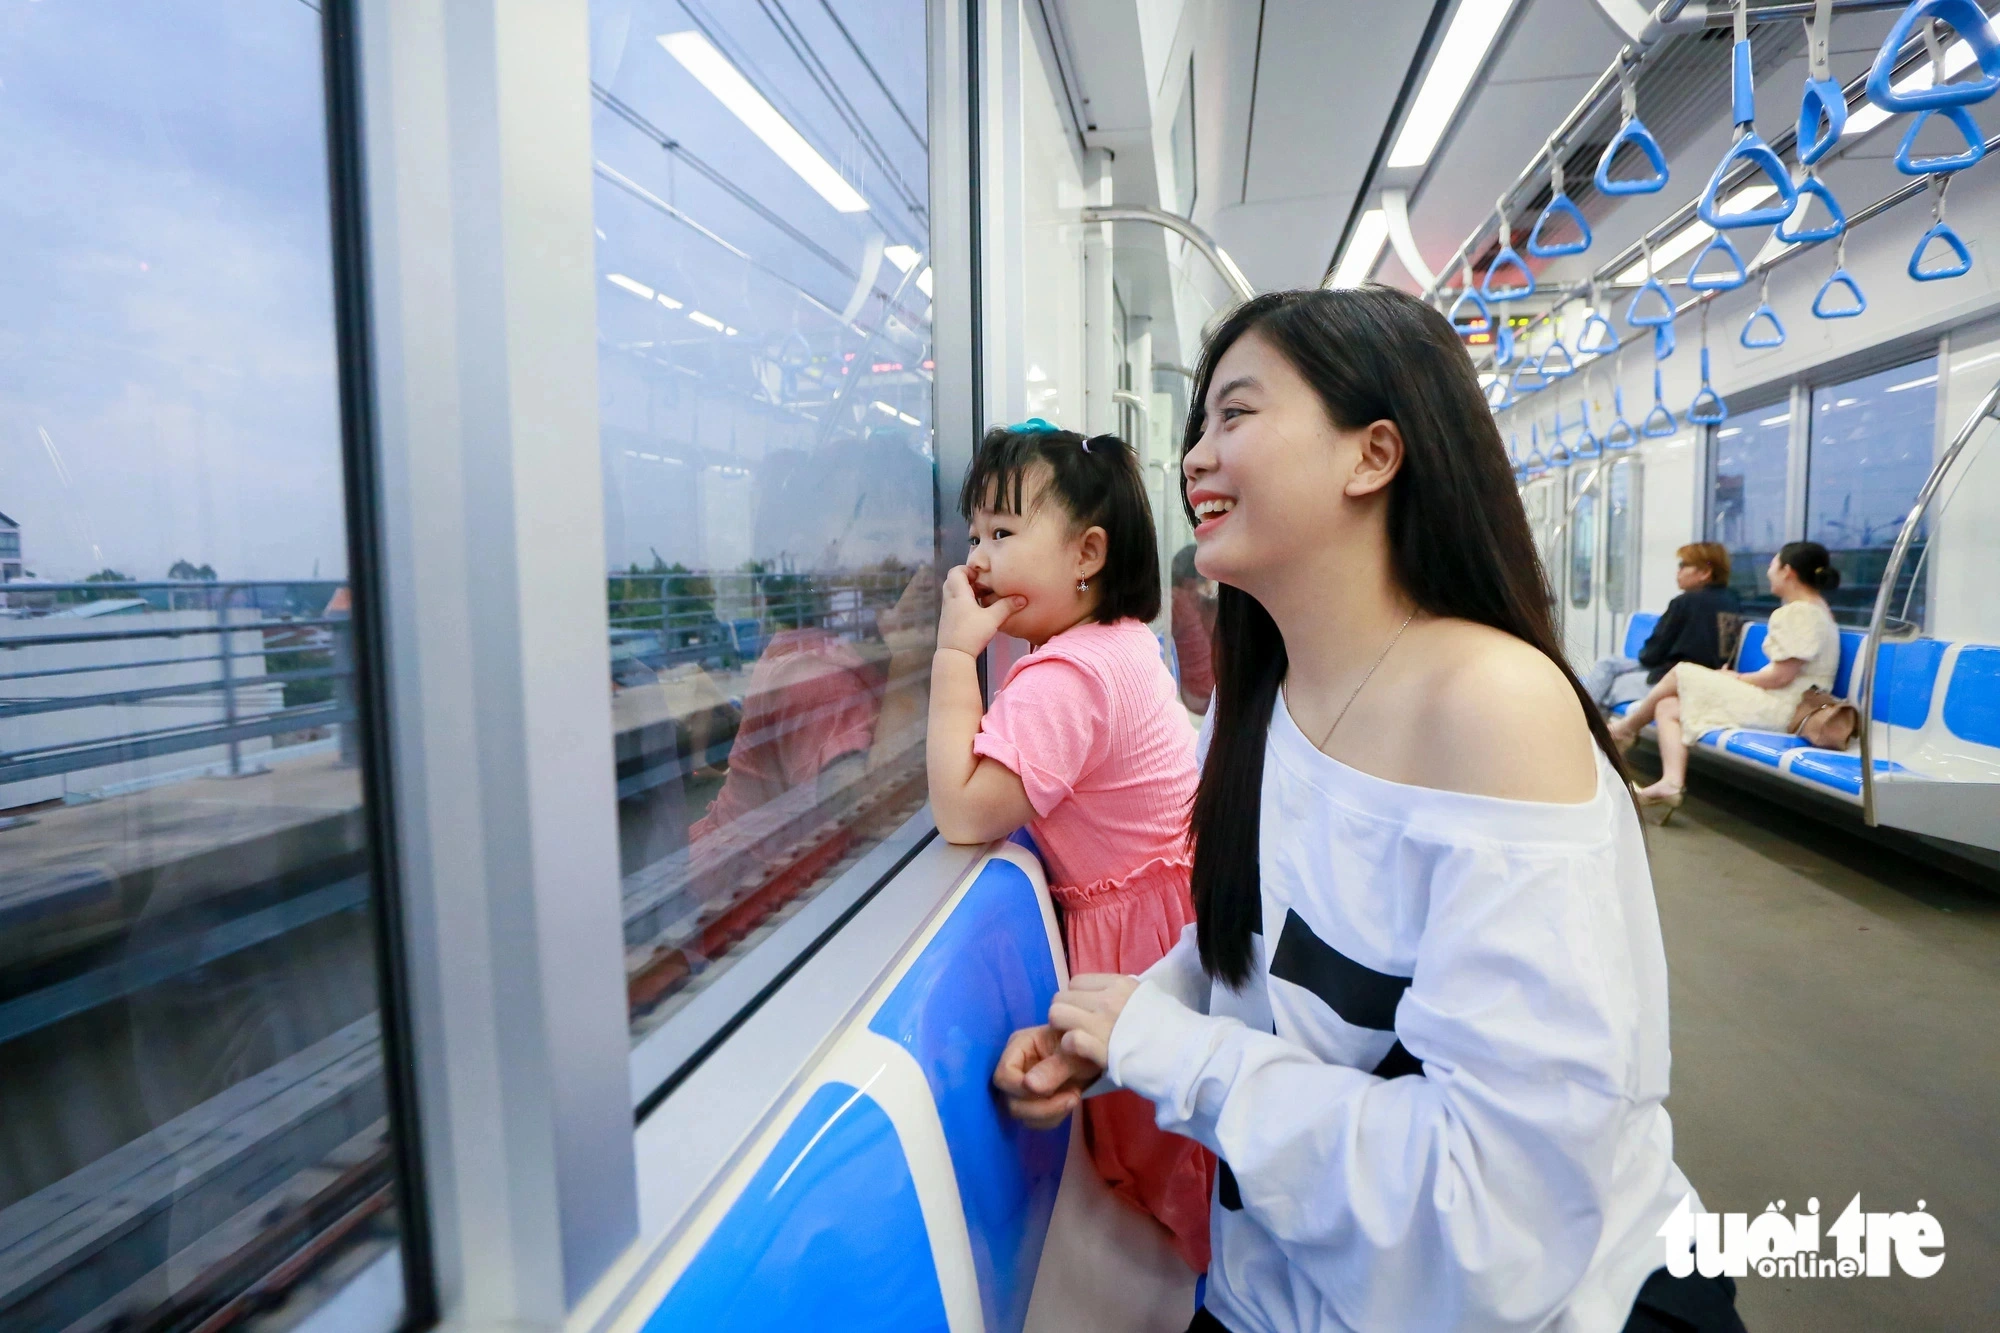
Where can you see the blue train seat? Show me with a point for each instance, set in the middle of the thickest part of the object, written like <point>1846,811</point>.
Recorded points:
<point>1850,648</point>
<point>1972,700</point>
<point>1842,772</point>
<point>1766,747</point>
<point>1906,678</point>
<point>1750,652</point>
<point>1637,630</point>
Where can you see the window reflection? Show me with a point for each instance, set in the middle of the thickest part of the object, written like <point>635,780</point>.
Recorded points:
<point>1619,536</point>
<point>1582,537</point>
<point>770,496</point>
<point>1872,444</point>
<point>194,1130</point>
<point>1746,508</point>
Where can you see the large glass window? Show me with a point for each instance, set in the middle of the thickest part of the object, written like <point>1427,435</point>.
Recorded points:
<point>1872,447</point>
<point>1582,535</point>
<point>1746,499</point>
<point>770,493</point>
<point>1620,535</point>
<point>194,1126</point>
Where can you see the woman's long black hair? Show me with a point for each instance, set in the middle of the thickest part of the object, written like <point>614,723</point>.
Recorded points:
<point>1459,546</point>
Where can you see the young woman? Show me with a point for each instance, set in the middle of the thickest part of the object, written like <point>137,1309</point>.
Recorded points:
<point>1690,701</point>
<point>1422,1014</point>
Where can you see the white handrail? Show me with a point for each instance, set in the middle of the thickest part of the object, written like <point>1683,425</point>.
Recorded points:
<point>1989,407</point>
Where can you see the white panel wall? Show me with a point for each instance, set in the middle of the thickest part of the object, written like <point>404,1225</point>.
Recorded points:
<point>1965,540</point>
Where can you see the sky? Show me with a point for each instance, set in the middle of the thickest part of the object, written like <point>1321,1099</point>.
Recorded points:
<point>168,375</point>
<point>167,368</point>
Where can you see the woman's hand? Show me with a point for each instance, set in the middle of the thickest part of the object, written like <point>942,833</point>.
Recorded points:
<point>1041,1081</point>
<point>966,625</point>
<point>1088,1010</point>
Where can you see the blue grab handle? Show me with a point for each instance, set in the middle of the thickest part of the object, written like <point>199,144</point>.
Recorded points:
<point>1707,409</point>
<point>1503,344</point>
<point>1485,324</point>
<point>1813,186</point>
<point>1541,249</point>
<point>1607,337</point>
<point>1638,319</point>
<point>1717,282</point>
<point>1515,388</point>
<point>1972,24</point>
<point>1776,338</point>
<point>1535,459</point>
<point>1508,255</point>
<point>1755,151</point>
<point>1620,435</point>
<point>1634,132</point>
<point>1742,85</point>
<point>1506,398</point>
<point>1940,232</point>
<point>1845,279</point>
<point>1823,102</point>
<point>1588,446</point>
<point>1568,366</point>
<point>1659,413</point>
<point>1663,342</point>
<point>1975,145</point>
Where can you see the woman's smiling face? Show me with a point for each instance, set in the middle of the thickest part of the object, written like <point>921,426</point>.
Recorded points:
<point>1268,477</point>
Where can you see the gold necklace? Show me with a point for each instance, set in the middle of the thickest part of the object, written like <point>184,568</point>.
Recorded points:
<point>1393,638</point>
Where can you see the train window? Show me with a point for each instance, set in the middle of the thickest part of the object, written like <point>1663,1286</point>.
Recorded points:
<point>1582,536</point>
<point>194,1127</point>
<point>1620,535</point>
<point>765,381</point>
<point>1746,505</point>
<point>1872,443</point>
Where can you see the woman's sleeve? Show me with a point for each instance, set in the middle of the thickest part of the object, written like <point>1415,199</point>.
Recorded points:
<point>1794,633</point>
<point>1470,1197</point>
<point>1659,646</point>
<point>1050,726</point>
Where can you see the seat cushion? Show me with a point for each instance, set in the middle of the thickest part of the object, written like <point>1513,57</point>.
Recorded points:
<point>1637,630</point>
<point>1850,648</point>
<point>1972,700</point>
<point>1712,739</point>
<point>1842,772</point>
<point>1907,677</point>
<point>1620,710</point>
<point>1766,747</point>
<point>1750,651</point>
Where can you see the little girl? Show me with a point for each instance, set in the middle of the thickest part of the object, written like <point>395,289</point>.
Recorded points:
<point>1086,744</point>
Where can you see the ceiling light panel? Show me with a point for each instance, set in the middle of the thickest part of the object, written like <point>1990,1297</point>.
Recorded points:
<point>1459,56</point>
<point>714,72</point>
<point>1364,247</point>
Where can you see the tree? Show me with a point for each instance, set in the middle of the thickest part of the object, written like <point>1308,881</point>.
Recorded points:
<point>182,570</point>
<point>109,576</point>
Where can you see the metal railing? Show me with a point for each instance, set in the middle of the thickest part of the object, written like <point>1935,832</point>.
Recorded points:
<point>297,614</point>
<point>1988,409</point>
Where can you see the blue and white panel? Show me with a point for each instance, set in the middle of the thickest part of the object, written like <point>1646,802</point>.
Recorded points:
<point>892,1190</point>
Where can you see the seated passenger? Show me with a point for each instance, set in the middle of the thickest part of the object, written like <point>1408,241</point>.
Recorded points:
<point>1194,626</point>
<point>1690,701</point>
<point>1086,744</point>
<point>1689,630</point>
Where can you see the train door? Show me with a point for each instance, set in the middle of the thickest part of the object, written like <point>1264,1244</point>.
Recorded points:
<point>1620,489</point>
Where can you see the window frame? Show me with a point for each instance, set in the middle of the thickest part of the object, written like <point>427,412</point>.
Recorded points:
<point>550,1197</point>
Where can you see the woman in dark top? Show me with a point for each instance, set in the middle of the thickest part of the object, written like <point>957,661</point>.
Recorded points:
<point>1690,630</point>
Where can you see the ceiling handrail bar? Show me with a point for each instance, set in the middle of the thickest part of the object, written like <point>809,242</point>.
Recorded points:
<point>1180,226</point>
<point>1989,408</point>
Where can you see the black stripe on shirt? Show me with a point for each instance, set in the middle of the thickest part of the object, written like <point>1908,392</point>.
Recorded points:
<point>1397,1063</point>
<point>1226,1192</point>
<point>1359,994</point>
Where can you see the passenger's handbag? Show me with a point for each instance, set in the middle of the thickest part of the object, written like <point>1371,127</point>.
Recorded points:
<point>1825,720</point>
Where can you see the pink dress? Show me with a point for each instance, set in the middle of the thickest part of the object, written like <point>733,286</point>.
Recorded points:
<point>1092,725</point>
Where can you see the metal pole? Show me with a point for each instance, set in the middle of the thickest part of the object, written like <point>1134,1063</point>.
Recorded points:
<point>226,591</point>
<point>1989,406</point>
<point>1180,226</point>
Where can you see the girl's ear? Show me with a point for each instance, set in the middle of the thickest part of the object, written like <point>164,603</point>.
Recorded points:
<point>1379,459</point>
<point>1090,551</point>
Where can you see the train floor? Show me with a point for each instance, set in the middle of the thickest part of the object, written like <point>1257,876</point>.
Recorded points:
<point>1836,1029</point>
